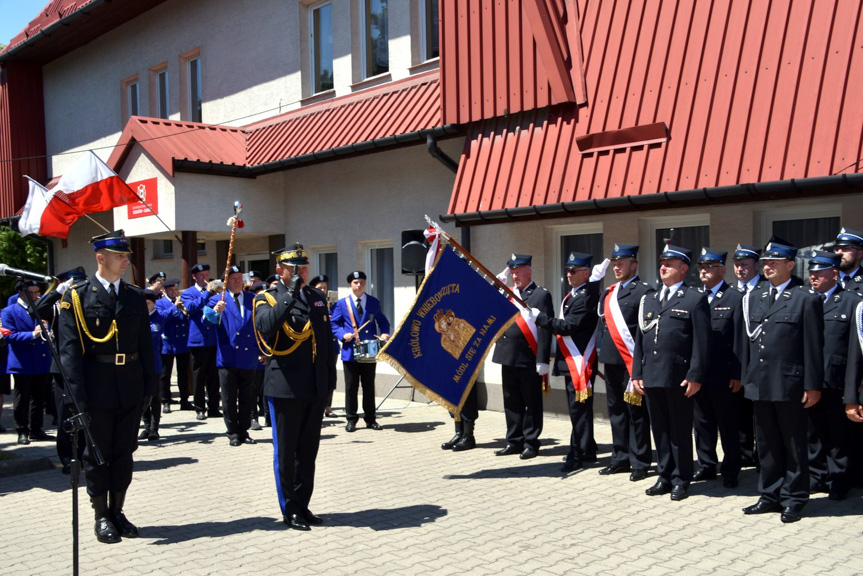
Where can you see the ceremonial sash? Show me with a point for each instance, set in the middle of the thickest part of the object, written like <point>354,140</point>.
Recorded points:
<point>528,330</point>
<point>580,365</point>
<point>622,338</point>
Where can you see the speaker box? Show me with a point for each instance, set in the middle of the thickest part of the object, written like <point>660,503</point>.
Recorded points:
<point>414,250</point>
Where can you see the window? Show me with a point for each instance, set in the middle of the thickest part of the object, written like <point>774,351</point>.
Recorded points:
<point>691,232</point>
<point>131,98</point>
<point>585,238</point>
<point>162,94</point>
<point>195,100</point>
<point>202,246</point>
<point>693,238</point>
<point>429,36</point>
<point>381,281</point>
<point>321,42</point>
<point>163,249</point>
<point>191,90</point>
<point>805,227</point>
<point>328,263</point>
<point>376,56</point>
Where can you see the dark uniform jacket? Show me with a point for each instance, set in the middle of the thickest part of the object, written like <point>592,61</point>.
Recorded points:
<point>93,381</point>
<point>727,336</point>
<point>681,349</point>
<point>854,371</point>
<point>512,349</point>
<point>838,327</point>
<point>579,321</point>
<point>628,298</point>
<point>855,282</point>
<point>309,371</point>
<point>787,356</point>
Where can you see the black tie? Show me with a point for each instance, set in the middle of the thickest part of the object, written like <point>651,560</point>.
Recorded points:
<point>112,292</point>
<point>237,300</point>
<point>359,307</point>
<point>774,293</point>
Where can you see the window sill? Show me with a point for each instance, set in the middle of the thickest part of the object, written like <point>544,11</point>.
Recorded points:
<point>318,97</point>
<point>373,81</point>
<point>431,64</point>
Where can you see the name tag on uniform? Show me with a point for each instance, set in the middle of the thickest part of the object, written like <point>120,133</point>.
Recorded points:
<point>719,308</point>
<point>678,310</point>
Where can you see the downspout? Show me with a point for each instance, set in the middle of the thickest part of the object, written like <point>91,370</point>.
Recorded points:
<point>436,152</point>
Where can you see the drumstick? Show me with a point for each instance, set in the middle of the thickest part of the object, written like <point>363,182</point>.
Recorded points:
<point>363,326</point>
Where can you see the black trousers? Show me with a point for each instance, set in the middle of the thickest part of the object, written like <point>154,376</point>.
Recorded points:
<point>205,377</point>
<point>747,430</point>
<point>356,373</point>
<point>152,414</point>
<point>259,403</point>
<point>182,376</point>
<point>115,432</point>
<point>28,403</point>
<point>470,408</point>
<point>780,429</point>
<point>671,421</point>
<point>238,389</point>
<point>830,434</point>
<point>64,440</point>
<point>296,439</point>
<point>582,445</point>
<point>716,417</point>
<point>630,424</point>
<point>522,405</point>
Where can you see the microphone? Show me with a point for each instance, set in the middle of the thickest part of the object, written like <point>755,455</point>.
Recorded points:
<point>25,274</point>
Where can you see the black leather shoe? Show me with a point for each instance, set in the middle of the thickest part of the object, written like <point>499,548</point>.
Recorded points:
<point>105,531</point>
<point>637,475</point>
<point>312,519</point>
<point>249,440</point>
<point>814,488</point>
<point>153,436</point>
<point>374,426</point>
<point>790,514</point>
<point>214,414</point>
<point>201,416</point>
<point>255,425</point>
<point>704,474</point>
<point>509,450</point>
<point>571,466</point>
<point>351,427</point>
<point>838,492</point>
<point>658,489</point>
<point>41,436</point>
<point>186,405</point>
<point>529,452</point>
<point>124,527</point>
<point>22,439</point>
<point>166,408</point>
<point>614,469</point>
<point>679,493</point>
<point>297,522</point>
<point>143,435</point>
<point>763,507</point>
<point>235,442</point>
<point>730,482</point>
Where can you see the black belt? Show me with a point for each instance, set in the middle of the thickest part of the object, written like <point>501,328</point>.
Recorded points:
<point>115,359</point>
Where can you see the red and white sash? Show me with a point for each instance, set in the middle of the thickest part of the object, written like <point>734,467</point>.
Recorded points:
<point>622,338</point>
<point>528,330</point>
<point>580,364</point>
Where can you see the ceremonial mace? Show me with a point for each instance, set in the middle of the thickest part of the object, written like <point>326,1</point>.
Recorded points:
<point>234,222</point>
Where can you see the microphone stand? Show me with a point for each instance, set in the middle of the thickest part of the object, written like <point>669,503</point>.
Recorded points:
<point>71,426</point>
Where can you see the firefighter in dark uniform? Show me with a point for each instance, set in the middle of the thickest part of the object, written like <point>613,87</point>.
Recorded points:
<point>107,355</point>
<point>627,413</point>
<point>849,245</point>
<point>524,361</point>
<point>717,405</point>
<point>670,363</point>
<point>830,433</point>
<point>783,373</point>
<point>853,396</point>
<point>574,328</point>
<point>292,325</point>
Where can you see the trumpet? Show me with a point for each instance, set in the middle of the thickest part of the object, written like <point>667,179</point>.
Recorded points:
<point>179,304</point>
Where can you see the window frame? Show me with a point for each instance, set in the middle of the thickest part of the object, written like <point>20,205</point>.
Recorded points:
<point>648,263</point>
<point>188,108</point>
<point>365,41</point>
<point>313,52</point>
<point>126,90</point>
<point>387,302</point>
<point>423,31</point>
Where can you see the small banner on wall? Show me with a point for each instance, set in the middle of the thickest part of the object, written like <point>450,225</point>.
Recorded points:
<point>148,191</point>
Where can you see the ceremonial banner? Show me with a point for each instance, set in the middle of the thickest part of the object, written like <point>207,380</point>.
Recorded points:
<point>441,343</point>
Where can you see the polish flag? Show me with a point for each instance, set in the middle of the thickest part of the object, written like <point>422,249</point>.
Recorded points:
<point>90,186</point>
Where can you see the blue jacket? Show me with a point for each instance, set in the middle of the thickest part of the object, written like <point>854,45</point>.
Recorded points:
<point>175,336</point>
<point>27,355</point>
<point>236,346</point>
<point>201,333</point>
<point>341,321</point>
<point>157,325</point>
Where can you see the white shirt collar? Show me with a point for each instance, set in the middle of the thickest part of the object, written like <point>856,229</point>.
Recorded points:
<point>671,289</point>
<point>781,288</point>
<point>105,283</point>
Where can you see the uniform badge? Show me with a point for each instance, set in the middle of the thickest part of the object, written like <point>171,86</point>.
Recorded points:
<point>679,293</point>
<point>97,322</point>
<point>617,248</point>
<point>649,315</point>
<point>719,294</point>
<point>786,294</point>
<point>65,305</point>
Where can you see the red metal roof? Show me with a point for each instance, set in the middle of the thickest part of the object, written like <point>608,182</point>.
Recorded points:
<point>750,92</point>
<point>502,57</point>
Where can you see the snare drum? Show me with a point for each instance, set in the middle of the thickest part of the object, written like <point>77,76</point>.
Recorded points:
<point>366,351</point>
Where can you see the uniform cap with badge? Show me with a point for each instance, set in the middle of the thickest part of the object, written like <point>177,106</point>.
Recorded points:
<point>74,274</point>
<point>115,241</point>
<point>356,275</point>
<point>157,277</point>
<point>746,251</point>
<point>171,282</point>
<point>821,260</point>
<point>292,255</point>
<point>848,237</point>
<point>622,250</point>
<point>673,252</point>
<point>712,256</point>
<point>577,260</point>
<point>778,251</point>
<point>199,268</point>
<point>519,260</point>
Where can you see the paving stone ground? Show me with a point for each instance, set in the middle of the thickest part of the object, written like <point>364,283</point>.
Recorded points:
<point>395,503</point>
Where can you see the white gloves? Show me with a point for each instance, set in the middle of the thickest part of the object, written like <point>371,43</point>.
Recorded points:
<point>534,312</point>
<point>504,276</point>
<point>542,368</point>
<point>65,286</point>
<point>599,270</point>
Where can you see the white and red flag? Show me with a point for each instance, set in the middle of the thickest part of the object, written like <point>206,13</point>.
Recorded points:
<point>90,186</point>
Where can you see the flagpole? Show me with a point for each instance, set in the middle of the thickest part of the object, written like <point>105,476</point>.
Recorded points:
<point>153,212</point>
<point>495,280</point>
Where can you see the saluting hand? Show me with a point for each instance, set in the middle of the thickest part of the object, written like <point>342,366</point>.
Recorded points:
<point>692,388</point>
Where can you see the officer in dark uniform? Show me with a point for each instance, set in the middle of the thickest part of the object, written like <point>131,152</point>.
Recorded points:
<point>292,324</point>
<point>202,344</point>
<point>627,414</point>
<point>669,365</point>
<point>717,405</point>
<point>175,345</point>
<point>853,395</point>
<point>107,355</point>
<point>783,373</point>
<point>575,331</point>
<point>849,245</point>
<point>829,433</point>
<point>524,358</point>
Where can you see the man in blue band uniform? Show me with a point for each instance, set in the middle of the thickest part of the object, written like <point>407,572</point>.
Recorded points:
<point>359,318</point>
<point>672,351</point>
<point>293,328</point>
<point>157,318</point>
<point>577,320</point>
<point>849,245</point>
<point>202,344</point>
<point>175,345</point>
<point>783,373</point>
<point>630,423</point>
<point>522,369</point>
<point>830,434</point>
<point>717,405</point>
<point>107,355</point>
<point>237,356</point>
